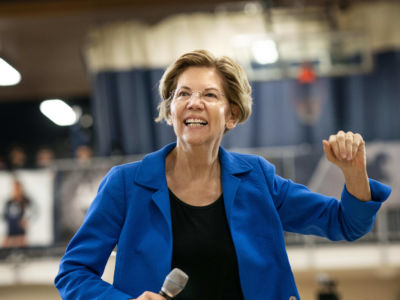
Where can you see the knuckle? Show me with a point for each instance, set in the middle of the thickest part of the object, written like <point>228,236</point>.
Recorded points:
<point>146,295</point>
<point>340,137</point>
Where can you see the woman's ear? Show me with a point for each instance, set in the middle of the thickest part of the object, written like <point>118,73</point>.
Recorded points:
<point>233,118</point>
<point>169,120</point>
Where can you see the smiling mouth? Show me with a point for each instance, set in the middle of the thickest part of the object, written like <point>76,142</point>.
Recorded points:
<point>195,122</point>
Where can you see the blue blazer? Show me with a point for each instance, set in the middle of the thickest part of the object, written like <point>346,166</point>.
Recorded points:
<point>132,211</point>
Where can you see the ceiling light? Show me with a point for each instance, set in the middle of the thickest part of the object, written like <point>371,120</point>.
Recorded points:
<point>265,52</point>
<point>8,74</point>
<point>59,112</point>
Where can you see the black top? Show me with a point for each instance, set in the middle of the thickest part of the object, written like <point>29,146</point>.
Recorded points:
<point>203,249</point>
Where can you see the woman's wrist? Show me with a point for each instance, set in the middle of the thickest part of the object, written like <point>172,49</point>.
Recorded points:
<point>357,184</point>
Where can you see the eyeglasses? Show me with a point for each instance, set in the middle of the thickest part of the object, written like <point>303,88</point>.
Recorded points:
<point>209,95</point>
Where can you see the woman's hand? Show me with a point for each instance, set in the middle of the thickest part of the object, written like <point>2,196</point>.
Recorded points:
<point>149,296</point>
<point>347,151</point>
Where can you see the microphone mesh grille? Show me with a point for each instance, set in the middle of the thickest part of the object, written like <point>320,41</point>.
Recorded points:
<point>175,282</point>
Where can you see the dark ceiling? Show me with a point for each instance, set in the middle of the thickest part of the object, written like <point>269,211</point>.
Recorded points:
<point>43,38</point>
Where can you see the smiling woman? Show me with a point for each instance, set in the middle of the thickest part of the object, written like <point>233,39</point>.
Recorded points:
<point>235,86</point>
<point>219,216</point>
<point>208,110</point>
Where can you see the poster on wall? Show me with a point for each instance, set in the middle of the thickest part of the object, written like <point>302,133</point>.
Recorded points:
<point>76,187</point>
<point>26,208</point>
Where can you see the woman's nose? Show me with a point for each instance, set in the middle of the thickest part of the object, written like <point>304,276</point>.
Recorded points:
<point>196,100</point>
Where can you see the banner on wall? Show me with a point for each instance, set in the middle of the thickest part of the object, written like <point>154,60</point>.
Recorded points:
<point>76,188</point>
<point>26,208</point>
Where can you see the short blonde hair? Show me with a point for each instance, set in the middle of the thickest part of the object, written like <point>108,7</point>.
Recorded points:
<point>235,83</point>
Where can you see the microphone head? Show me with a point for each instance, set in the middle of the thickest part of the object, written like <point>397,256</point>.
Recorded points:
<point>175,282</point>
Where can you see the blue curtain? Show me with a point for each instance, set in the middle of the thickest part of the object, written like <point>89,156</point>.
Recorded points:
<point>285,112</point>
<point>124,108</point>
<point>370,104</point>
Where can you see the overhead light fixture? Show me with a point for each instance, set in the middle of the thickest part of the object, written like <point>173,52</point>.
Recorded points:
<point>59,112</point>
<point>8,74</point>
<point>265,52</point>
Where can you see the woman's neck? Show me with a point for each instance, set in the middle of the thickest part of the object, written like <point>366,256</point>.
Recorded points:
<point>194,174</point>
<point>194,162</point>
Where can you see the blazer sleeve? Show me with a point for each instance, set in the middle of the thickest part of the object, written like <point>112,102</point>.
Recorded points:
<point>303,211</point>
<point>83,264</point>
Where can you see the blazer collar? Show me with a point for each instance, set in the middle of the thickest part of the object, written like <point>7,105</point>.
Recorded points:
<point>151,172</point>
<point>232,164</point>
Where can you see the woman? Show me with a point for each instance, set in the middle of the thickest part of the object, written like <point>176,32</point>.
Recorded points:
<point>15,214</point>
<point>219,216</point>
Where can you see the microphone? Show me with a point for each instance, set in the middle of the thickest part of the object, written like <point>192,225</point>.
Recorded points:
<point>174,283</point>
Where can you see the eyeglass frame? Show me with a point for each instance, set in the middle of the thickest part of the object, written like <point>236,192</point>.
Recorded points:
<point>191,93</point>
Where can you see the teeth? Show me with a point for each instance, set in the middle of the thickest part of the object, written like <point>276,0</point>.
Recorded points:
<point>195,122</point>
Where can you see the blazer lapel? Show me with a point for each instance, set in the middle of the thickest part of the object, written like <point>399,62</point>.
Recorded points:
<point>231,167</point>
<point>151,175</point>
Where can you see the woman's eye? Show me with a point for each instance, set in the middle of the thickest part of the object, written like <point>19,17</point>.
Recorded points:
<point>183,94</point>
<point>211,95</point>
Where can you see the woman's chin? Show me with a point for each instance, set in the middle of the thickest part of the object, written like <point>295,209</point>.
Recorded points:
<point>194,141</point>
<point>198,140</point>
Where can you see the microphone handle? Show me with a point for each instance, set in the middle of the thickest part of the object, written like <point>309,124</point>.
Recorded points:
<point>164,295</point>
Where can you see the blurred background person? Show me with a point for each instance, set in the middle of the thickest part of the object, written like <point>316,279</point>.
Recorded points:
<point>83,154</point>
<point>3,164</point>
<point>328,290</point>
<point>16,217</point>
<point>17,158</point>
<point>44,157</point>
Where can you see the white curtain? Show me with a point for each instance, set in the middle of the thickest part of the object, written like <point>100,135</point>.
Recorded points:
<point>130,44</point>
